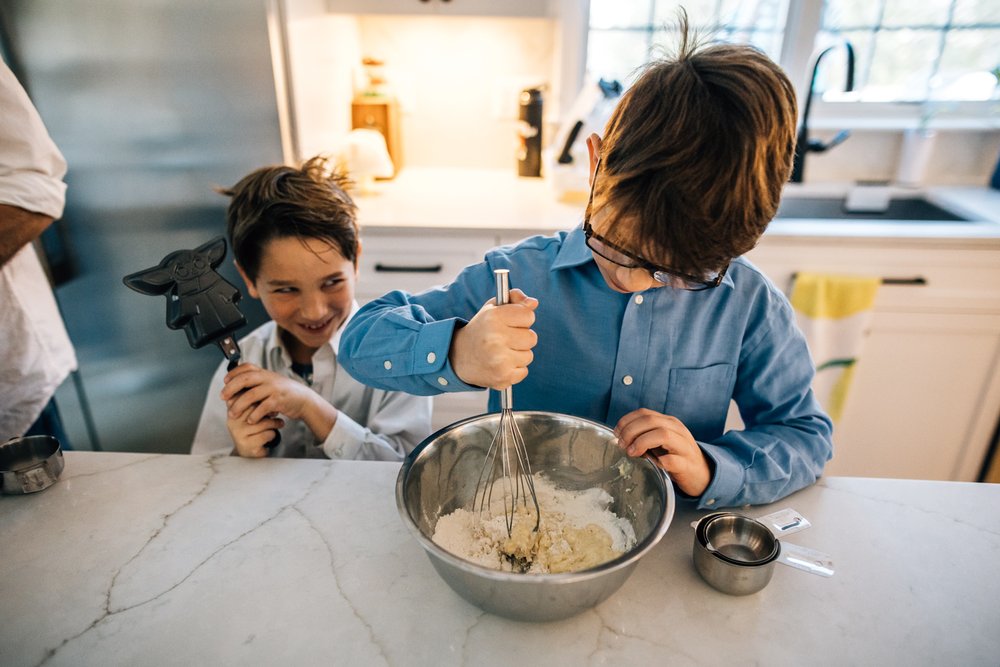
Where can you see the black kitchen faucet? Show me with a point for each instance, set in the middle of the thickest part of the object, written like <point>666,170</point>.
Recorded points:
<point>803,144</point>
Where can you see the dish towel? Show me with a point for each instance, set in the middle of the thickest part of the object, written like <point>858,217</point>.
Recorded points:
<point>835,313</point>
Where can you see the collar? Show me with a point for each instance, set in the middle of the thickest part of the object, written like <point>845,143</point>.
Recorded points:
<point>574,252</point>
<point>275,343</point>
<point>335,339</point>
<point>727,280</point>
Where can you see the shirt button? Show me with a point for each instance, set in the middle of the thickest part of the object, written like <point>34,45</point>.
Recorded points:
<point>443,382</point>
<point>638,299</point>
<point>431,357</point>
<point>627,380</point>
<point>710,502</point>
<point>387,364</point>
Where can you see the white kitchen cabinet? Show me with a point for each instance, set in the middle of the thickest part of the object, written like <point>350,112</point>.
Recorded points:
<point>415,259</point>
<point>921,405</point>
<point>925,398</point>
<point>522,8</point>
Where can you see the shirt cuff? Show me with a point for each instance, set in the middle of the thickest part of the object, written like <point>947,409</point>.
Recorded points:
<point>431,357</point>
<point>345,439</point>
<point>38,193</point>
<point>727,482</point>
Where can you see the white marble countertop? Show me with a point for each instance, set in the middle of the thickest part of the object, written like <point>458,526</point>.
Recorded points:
<point>498,200</point>
<point>180,560</point>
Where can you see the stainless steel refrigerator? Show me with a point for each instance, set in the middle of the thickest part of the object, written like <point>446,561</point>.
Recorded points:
<point>153,103</point>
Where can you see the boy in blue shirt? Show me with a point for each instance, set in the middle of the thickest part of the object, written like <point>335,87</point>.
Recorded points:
<point>645,317</point>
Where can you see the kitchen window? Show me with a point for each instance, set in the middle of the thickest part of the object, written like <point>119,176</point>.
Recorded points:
<point>937,59</point>
<point>624,35</point>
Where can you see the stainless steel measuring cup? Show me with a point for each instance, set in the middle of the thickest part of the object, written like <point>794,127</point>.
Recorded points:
<point>29,464</point>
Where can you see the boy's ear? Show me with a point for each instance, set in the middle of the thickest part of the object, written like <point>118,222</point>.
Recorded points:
<point>357,257</point>
<point>594,152</point>
<point>251,290</point>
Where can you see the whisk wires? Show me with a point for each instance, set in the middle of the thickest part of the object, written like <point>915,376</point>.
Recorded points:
<point>507,457</point>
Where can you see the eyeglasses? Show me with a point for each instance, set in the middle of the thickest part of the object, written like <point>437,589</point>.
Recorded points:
<point>618,255</point>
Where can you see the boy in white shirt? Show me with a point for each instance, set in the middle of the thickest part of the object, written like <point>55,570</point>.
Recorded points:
<point>295,242</point>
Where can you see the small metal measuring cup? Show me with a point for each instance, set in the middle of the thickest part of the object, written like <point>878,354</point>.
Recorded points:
<point>736,554</point>
<point>29,464</point>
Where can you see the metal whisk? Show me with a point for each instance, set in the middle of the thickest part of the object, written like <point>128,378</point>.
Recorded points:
<point>507,448</point>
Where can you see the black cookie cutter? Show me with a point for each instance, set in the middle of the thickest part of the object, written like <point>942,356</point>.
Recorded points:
<point>199,300</point>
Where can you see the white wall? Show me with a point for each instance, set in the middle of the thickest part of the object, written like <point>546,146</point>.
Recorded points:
<point>457,79</point>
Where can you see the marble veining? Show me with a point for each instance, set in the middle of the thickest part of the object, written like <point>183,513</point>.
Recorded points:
<point>175,559</point>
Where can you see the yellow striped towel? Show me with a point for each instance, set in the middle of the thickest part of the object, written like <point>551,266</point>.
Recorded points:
<point>834,312</point>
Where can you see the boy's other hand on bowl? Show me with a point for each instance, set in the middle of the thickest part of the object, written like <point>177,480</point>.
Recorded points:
<point>644,430</point>
<point>494,349</point>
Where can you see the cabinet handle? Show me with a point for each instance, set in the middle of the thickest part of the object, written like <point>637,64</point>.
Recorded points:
<point>395,268</point>
<point>916,281</point>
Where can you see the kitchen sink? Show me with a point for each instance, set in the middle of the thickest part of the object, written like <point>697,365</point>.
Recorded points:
<point>909,209</point>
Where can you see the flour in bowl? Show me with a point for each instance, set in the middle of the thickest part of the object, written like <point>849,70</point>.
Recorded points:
<point>576,531</point>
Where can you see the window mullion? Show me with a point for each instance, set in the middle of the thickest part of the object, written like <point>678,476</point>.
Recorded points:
<point>942,38</point>
<point>802,24</point>
<point>866,66</point>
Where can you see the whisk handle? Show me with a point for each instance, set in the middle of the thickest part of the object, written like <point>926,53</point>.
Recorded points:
<point>507,399</point>
<point>502,277</point>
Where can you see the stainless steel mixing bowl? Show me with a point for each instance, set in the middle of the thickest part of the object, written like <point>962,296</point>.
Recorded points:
<point>440,476</point>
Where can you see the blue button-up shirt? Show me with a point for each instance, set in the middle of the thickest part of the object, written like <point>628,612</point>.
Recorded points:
<point>602,354</point>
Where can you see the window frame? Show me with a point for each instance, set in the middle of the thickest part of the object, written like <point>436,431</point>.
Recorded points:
<point>835,112</point>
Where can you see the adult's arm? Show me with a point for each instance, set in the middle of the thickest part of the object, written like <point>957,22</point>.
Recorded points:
<point>18,228</point>
<point>32,191</point>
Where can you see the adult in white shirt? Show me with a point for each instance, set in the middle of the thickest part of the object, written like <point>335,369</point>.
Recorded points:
<point>36,354</point>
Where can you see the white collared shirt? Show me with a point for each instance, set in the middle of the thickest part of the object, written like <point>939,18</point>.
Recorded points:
<point>36,354</point>
<point>373,424</point>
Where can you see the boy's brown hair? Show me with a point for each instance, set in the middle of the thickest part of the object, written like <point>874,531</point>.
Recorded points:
<point>308,202</point>
<point>696,153</point>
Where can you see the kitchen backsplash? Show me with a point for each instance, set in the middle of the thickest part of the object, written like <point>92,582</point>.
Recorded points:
<point>957,157</point>
<point>457,80</point>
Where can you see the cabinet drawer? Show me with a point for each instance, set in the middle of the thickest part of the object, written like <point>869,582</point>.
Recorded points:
<point>415,260</point>
<point>915,279</point>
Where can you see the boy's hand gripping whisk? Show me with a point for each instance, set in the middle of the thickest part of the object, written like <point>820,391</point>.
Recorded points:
<point>507,458</point>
